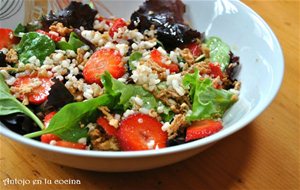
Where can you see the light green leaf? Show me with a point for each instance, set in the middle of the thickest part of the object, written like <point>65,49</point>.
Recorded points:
<point>73,43</point>
<point>135,56</point>
<point>207,102</point>
<point>219,51</point>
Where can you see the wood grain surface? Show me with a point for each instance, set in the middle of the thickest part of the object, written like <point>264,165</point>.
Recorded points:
<point>264,155</point>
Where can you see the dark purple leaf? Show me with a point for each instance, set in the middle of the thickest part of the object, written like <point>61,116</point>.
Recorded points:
<point>58,97</point>
<point>75,15</point>
<point>167,17</point>
<point>19,123</point>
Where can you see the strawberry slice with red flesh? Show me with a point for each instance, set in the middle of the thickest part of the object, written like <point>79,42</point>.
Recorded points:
<point>201,129</point>
<point>54,37</point>
<point>39,92</point>
<point>48,118</point>
<point>194,48</point>
<point>105,59</point>
<point>118,23</point>
<point>47,138</point>
<point>68,144</point>
<point>141,132</point>
<point>216,70</point>
<point>110,130</point>
<point>107,20</point>
<point>157,57</point>
<point>5,40</point>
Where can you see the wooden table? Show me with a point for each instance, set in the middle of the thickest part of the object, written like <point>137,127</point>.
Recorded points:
<point>264,155</point>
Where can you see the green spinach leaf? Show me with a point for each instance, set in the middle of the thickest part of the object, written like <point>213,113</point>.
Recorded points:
<point>219,51</point>
<point>30,27</point>
<point>9,104</point>
<point>208,102</point>
<point>66,122</point>
<point>19,30</point>
<point>35,44</point>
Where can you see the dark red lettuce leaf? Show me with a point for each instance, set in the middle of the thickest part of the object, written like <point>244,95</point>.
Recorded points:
<point>19,123</point>
<point>234,68</point>
<point>167,17</point>
<point>75,15</point>
<point>232,71</point>
<point>3,62</point>
<point>58,97</point>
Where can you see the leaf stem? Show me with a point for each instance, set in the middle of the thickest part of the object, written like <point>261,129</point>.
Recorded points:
<point>34,134</point>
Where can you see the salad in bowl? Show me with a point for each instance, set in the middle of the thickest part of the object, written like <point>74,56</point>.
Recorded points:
<point>79,80</point>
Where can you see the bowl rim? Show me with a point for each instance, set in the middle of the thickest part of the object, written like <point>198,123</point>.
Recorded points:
<point>173,149</point>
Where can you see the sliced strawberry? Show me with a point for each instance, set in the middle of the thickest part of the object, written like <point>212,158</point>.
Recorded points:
<point>105,59</point>
<point>39,93</point>
<point>194,48</point>
<point>7,39</point>
<point>48,118</point>
<point>203,128</point>
<point>54,37</point>
<point>157,57</point>
<point>110,130</point>
<point>118,23</point>
<point>141,132</point>
<point>107,20</point>
<point>47,138</point>
<point>216,70</point>
<point>67,144</point>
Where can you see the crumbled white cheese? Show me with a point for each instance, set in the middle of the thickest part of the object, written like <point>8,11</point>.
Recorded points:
<point>175,82</point>
<point>82,140</point>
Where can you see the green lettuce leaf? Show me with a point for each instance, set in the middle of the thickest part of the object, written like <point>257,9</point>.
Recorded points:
<point>34,44</point>
<point>73,43</point>
<point>135,56</point>
<point>124,92</point>
<point>115,88</point>
<point>219,51</point>
<point>207,102</point>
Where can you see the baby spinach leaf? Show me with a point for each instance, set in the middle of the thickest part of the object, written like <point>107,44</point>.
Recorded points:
<point>219,51</point>
<point>73,43</point>
<point>30,27</point>
<point>66,122</point>
<point>19,29</point>
<point>35,44</point>
<point>9,104</point>
<point>208,102</point>
<point>135,56</point>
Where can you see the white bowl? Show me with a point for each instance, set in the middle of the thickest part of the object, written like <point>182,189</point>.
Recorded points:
<point>261,76</point>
